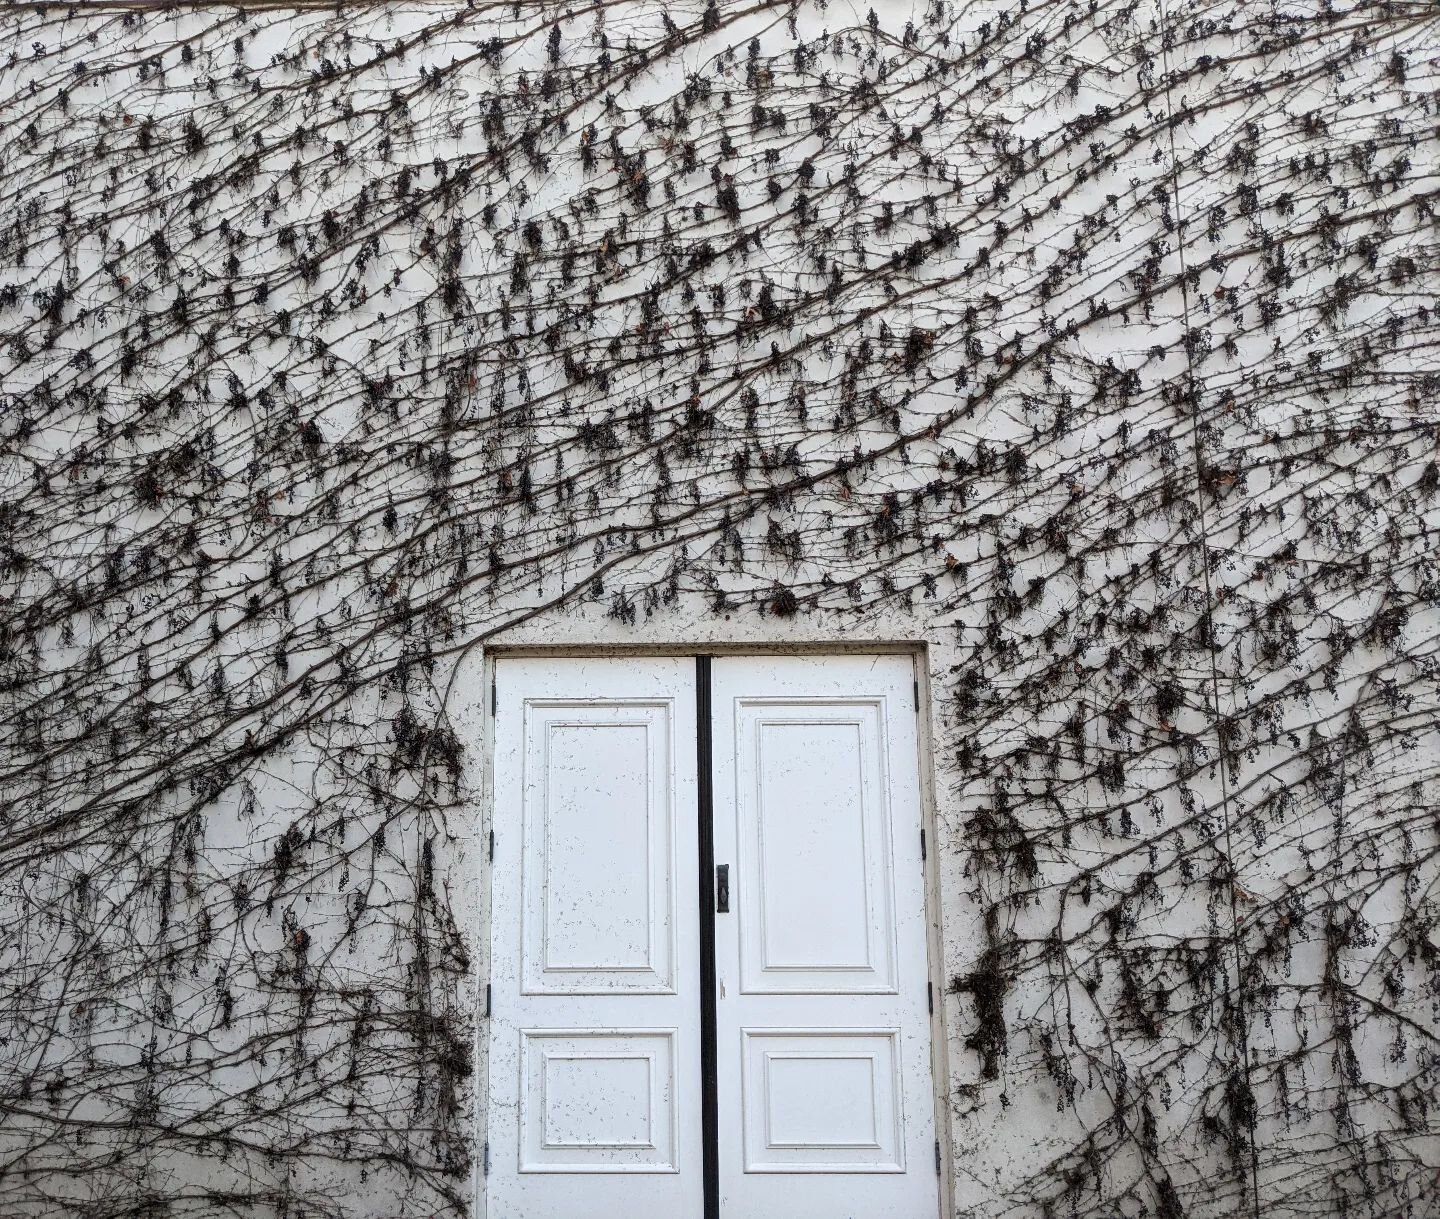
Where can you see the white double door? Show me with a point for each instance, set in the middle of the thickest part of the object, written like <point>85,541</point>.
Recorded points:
<point>813,1098</point>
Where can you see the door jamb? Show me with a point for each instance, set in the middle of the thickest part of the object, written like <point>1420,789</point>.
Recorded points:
<point>934,929</point>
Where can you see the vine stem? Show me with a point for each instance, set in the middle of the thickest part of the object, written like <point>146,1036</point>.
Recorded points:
<point>1242,1006</point>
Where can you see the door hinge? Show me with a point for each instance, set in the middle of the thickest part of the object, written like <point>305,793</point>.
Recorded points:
<point>930,996</point>
<point>492,845</point>
<point>494,700</point>
<point>915,689</point>
<point>486,1168</point>
<point>937,1157</point>
<point>922,843</point>
<point>487,1000</point>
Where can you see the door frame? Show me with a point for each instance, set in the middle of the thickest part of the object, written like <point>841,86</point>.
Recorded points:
<point>918,651</point>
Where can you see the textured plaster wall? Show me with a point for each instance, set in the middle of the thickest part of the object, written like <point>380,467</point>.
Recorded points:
<point>1091,345</point>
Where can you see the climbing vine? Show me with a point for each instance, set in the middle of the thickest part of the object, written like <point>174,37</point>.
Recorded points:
<point>1098,340</point>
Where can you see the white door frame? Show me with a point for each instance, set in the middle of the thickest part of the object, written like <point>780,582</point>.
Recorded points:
<point>918,651</point>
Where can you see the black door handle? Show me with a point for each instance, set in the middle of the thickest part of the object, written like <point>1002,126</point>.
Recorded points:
<point>722,889</point>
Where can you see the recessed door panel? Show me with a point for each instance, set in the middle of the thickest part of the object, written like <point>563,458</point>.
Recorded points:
<point>599,902</point>
<point>822,1101</point>
<point>597,1100</point>
<point>812,868</point>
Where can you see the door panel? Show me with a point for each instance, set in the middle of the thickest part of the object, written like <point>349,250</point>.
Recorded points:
<point>811,867</point>
<point>822,1020</point>
<point>594,1065</point>
<point>597,1100</point>
<point>599,821</point>
<point>822,1101</point>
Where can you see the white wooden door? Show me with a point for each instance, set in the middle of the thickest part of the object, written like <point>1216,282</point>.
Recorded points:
<point>823,1079</point>
<point>594,1047</point>
<point>826,1106</point>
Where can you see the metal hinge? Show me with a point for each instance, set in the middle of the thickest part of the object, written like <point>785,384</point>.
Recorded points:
<point>487,1001</point>
<point>922,843</point>
<point>486,1168</point>
<point>494,700</point>
<point>937,1157</point>
<point>492,845</point>
<point>915,689</point>
<point>930,996</point>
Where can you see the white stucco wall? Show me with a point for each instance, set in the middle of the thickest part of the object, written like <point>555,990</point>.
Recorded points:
<point>1119,400</point>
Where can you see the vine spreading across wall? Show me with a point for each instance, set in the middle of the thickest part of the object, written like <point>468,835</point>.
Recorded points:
<point>1098,338</point>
